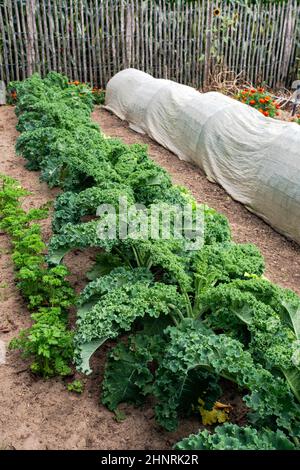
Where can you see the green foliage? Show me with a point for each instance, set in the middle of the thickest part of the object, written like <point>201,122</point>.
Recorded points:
<point>76,386</point>
<point>193,346</point>
<point>48,342</point>
<point>216,227</point>
<point>260,100</point>
<point>233,437</point>
<point>116,309</point>
<point>128,377</point>
<point>98,96</point>
<point>229,261</point>
<point>272,341</point>
<point>70,207</point>
<point>196,316</point>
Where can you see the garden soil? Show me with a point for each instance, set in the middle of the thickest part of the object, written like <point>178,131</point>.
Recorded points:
<point>42,414</point>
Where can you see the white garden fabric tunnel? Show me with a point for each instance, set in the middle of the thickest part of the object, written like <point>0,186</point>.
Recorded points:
<point>254,158</point>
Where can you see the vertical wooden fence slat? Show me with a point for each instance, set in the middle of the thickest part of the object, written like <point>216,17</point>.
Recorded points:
<point>256,71</point>
<point>83,40</point>
<point>146,36</point>
<point>37,58</point>
<point>5,51</point>
<point>286,50</point>
<point>41,36</point>
<point>142,29</point>
<point>117,37</point>
<point>78,47</point>
<point>25,36</point>
<point>151,12</point>
<point>12,59</point>
<point>128,35</point>
<point>88,24</point>
<point>207,65</point>
<point>57,36</point>
<point>20,41</point>
<point>98,47</point>
<point>102,40</point>
<point>113,41</point>
<point>73,59</point>
<point>15,47</point>
<point>51,31</point>
<point>94,63</point>
<point>46,33</point>
<point>30,12</point>
<point>63,37</point>
<point>107,38</point>
<point>123,36</point>
<point>180,40</point>
<point>185,44</point>
<point>279,44</point>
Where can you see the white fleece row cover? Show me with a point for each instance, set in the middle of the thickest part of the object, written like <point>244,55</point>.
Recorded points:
<point>256,159</point>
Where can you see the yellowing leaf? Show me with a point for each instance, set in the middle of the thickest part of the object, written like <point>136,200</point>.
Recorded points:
<point>218,414</point>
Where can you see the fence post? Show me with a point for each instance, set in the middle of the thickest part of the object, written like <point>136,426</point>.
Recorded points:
<point>129,20</point>
<point>30,13</point>
<point>208,36</point>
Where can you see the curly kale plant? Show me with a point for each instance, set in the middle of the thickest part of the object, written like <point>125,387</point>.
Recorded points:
<point>233,437</point>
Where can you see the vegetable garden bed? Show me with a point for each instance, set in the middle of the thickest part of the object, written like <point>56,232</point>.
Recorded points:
<point>226,355</point>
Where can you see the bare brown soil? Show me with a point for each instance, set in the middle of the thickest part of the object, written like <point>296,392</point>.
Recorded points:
<point>42,414</point>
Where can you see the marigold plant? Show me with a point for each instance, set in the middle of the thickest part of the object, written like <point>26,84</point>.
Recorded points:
<point>259,99</point>
<point>98,95</point>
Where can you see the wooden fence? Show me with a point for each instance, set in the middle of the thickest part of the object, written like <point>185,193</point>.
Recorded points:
<point>91,40</point>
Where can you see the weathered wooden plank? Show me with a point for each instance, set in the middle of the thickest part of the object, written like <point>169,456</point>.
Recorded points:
<point>207,65</point>
<point>51,34</point>
<point>113,40</point>
<point>9,34</point>
<point>14,40</point>
<point>272,14</point>
<point>20,39</point>
<point>30,17</point>
<point>63,35</point>
<point>88,42</point>
<point>99,63</point>
<point>108,39</point>
<point>5,50</point>
<point>57,36</point>
<point>146,37</point>
<point>40,39</point>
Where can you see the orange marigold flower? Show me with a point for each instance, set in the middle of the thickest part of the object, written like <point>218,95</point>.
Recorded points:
<point>261,111</point>
<point>252,90</point>
<point>267,98</point>
<point>266,113</point>
<point>260,89</point>
<point>252,102</point>
<point>277,106</point>
<point>262,101</point>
